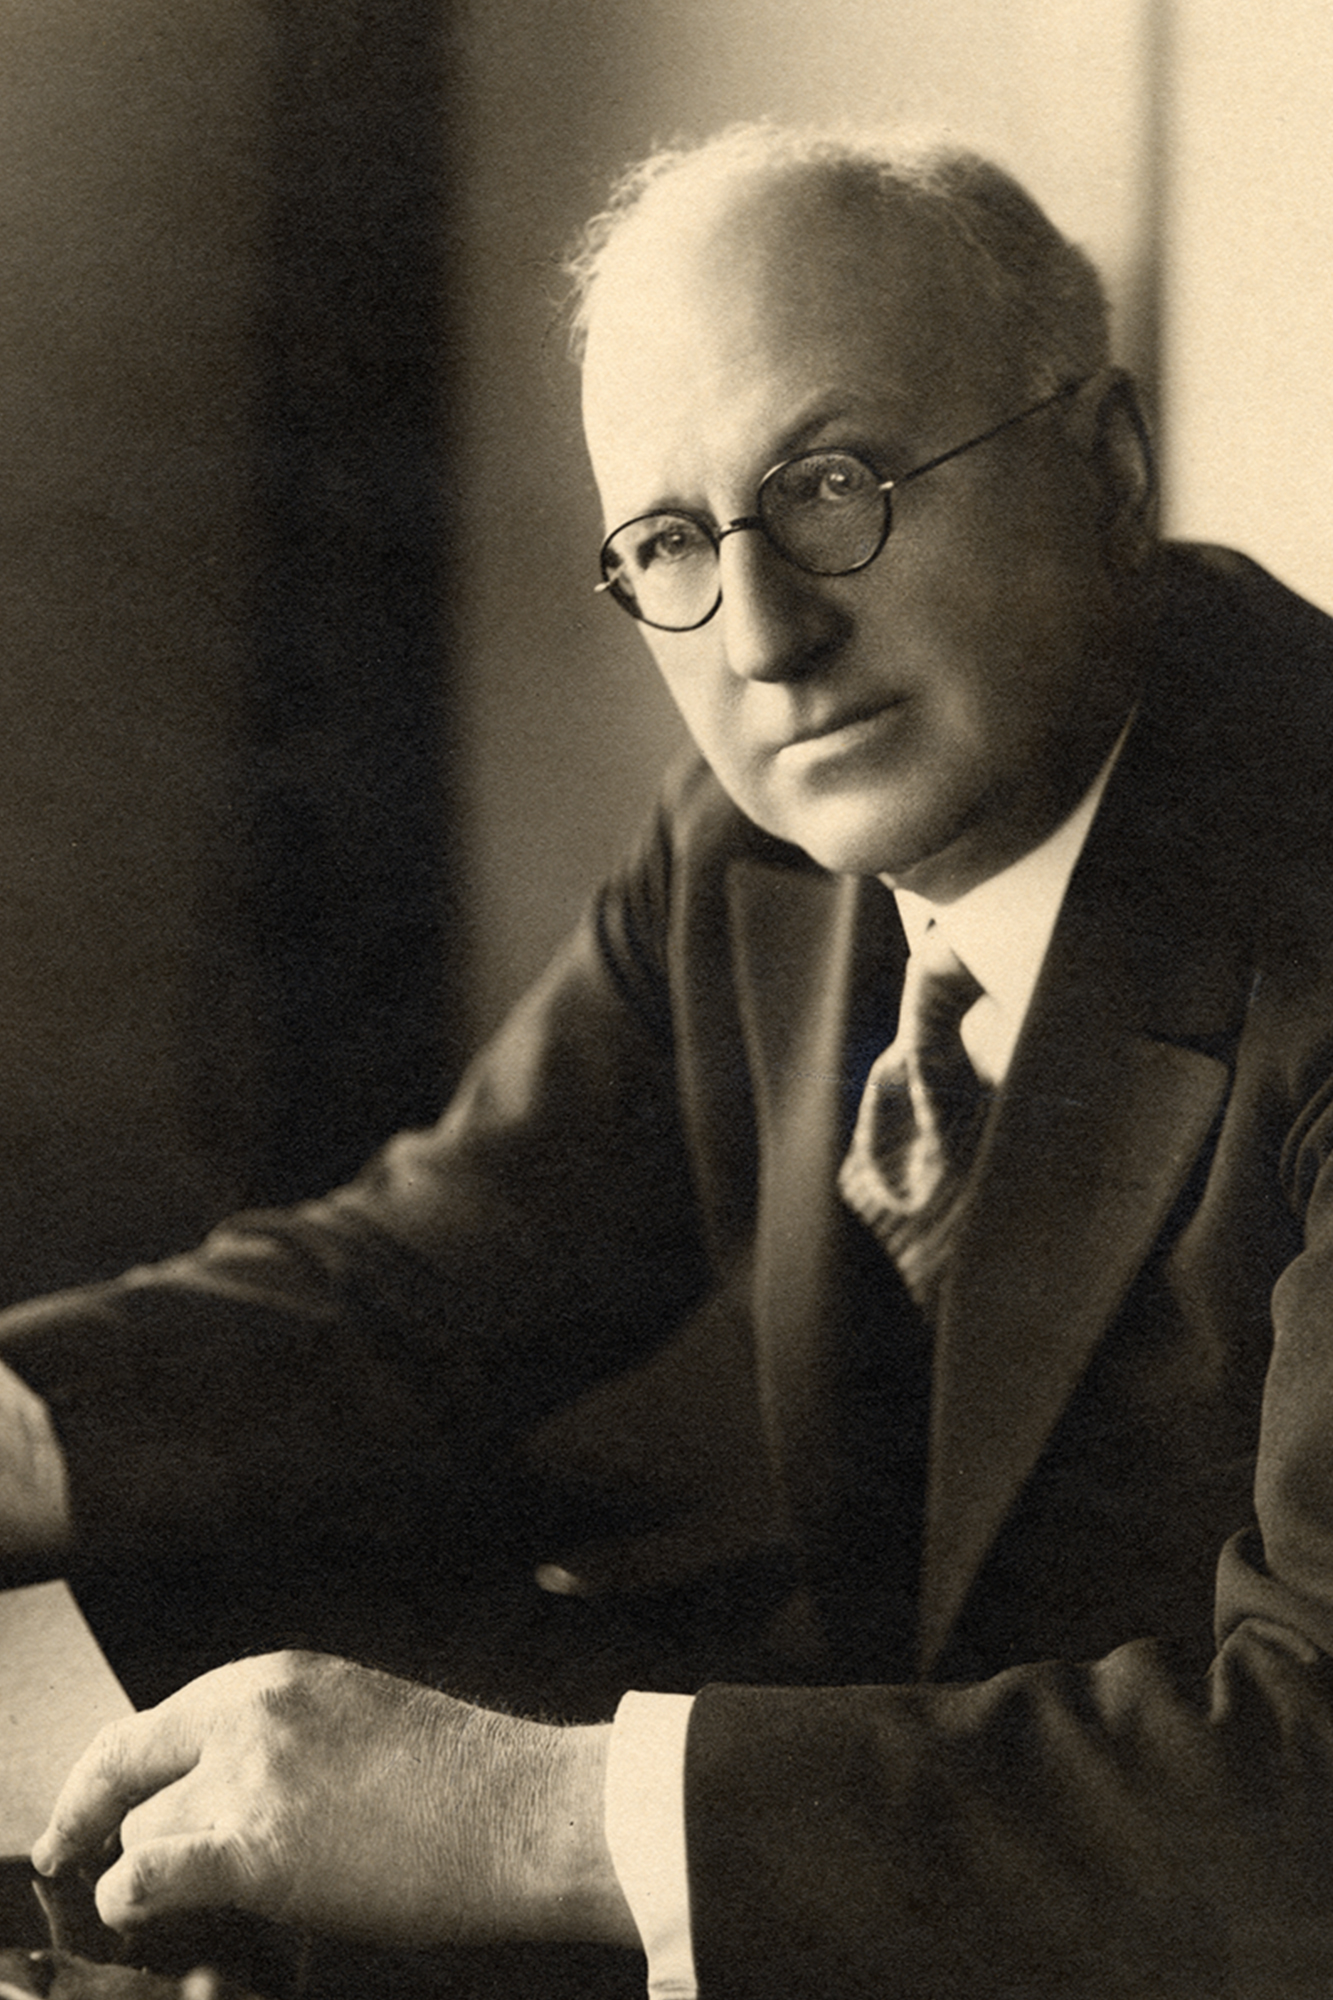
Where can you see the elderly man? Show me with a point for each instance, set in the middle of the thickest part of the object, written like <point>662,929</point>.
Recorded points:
<point>960,1046</point>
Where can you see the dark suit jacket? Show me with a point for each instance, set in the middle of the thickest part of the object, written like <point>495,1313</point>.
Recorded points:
<point>1073,1573</point>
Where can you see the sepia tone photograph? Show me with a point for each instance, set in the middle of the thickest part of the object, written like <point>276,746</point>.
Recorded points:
<point>666,1000</point>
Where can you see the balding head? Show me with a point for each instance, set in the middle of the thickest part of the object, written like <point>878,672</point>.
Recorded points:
<point>1015,280</point>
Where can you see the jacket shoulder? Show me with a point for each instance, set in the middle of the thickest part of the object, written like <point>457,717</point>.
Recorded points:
<point>698,819</point>
<point>1242,679</point>
<point>1222,603</point>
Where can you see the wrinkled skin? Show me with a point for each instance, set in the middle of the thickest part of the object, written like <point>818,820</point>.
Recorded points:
<point>322,1794</point>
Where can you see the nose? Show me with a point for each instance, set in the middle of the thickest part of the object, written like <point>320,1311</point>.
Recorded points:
<point>776,622</point>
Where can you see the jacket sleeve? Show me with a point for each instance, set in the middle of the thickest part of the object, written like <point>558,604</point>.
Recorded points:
<point>352,1353</point>
<point>1145,1824</point>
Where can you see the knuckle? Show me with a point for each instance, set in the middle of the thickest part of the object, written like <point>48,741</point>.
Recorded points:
<point>124,1895</point>
<point>142,1874</point>
<point>149,1820</point>
<point>109,1754</point>
<point>225,1866</point>
<point>296,1684</point>
<point>164,1875</point>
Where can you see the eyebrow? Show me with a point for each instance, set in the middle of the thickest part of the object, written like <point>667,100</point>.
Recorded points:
<point>842,413</point>
<point>843,410</point>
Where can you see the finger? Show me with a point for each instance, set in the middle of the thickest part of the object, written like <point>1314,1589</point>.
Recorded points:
<point>176,1809</point>
<point>186,1871</point>
<point>125,1763</point>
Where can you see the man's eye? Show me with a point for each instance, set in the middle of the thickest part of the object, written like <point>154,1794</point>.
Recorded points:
<point>670,541</point>
<point>836,482</point>
<point>832,480</point>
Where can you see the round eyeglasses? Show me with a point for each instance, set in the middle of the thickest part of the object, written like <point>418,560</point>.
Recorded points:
<point>826,512</point>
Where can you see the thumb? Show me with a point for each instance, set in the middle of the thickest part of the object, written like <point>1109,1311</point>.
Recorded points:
<point>184,1871</point>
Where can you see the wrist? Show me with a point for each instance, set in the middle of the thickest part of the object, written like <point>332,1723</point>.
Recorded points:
<point>576,1891</point>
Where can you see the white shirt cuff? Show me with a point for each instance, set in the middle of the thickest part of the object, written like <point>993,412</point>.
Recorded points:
<point>645,1830</point>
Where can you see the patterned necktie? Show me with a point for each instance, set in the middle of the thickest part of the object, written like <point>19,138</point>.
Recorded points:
<point>917,1128</point>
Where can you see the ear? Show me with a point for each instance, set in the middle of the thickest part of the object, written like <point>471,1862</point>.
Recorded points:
<point>1120,452</point>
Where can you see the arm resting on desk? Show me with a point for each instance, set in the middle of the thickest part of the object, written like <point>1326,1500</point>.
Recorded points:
<point>34,1496</point>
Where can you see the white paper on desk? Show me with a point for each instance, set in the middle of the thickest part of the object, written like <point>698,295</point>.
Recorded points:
<point>56,1692</point>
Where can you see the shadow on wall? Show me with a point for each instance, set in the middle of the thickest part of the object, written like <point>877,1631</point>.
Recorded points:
<point>223,820</point>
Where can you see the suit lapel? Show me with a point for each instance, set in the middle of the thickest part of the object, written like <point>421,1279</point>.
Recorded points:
<point>1115,1088</point>
<point>843,1366</point>
<point>1088,1158</point>
<point>820,965</point>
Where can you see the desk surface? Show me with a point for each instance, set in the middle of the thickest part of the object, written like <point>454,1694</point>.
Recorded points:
<point>56,1692</point>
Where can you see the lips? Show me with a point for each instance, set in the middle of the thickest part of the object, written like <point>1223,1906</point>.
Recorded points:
<point>819,728</point>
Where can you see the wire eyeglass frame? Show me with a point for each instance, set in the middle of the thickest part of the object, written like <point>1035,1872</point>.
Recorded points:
<point>612,566</point>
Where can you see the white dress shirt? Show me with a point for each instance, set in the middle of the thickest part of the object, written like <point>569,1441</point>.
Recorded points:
<point>1001,930</point>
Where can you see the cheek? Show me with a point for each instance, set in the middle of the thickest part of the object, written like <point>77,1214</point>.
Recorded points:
<point>1022,556</point>
<point>1029,630</point>
<point>697,686</point>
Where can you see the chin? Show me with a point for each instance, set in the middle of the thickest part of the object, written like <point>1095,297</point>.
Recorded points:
<point>846,843</point>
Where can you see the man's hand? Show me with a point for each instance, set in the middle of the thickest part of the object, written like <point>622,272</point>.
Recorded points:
<point>321,1794</point>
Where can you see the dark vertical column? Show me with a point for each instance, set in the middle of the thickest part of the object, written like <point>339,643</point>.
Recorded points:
<point>343,783</point>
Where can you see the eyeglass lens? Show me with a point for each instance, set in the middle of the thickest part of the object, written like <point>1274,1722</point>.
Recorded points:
<point>826,512</point>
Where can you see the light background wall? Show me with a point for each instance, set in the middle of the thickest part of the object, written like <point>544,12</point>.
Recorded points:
<point>1249,282</point>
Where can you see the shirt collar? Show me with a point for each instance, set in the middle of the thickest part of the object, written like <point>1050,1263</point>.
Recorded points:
<point>1001,929</point>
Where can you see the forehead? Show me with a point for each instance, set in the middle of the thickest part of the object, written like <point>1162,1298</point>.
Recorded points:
<point>722,328</point>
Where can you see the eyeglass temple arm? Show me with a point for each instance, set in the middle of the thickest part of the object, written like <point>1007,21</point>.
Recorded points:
<point>1005,424</point>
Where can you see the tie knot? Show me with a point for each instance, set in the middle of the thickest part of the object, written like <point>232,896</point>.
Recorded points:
<point>937,992</point>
